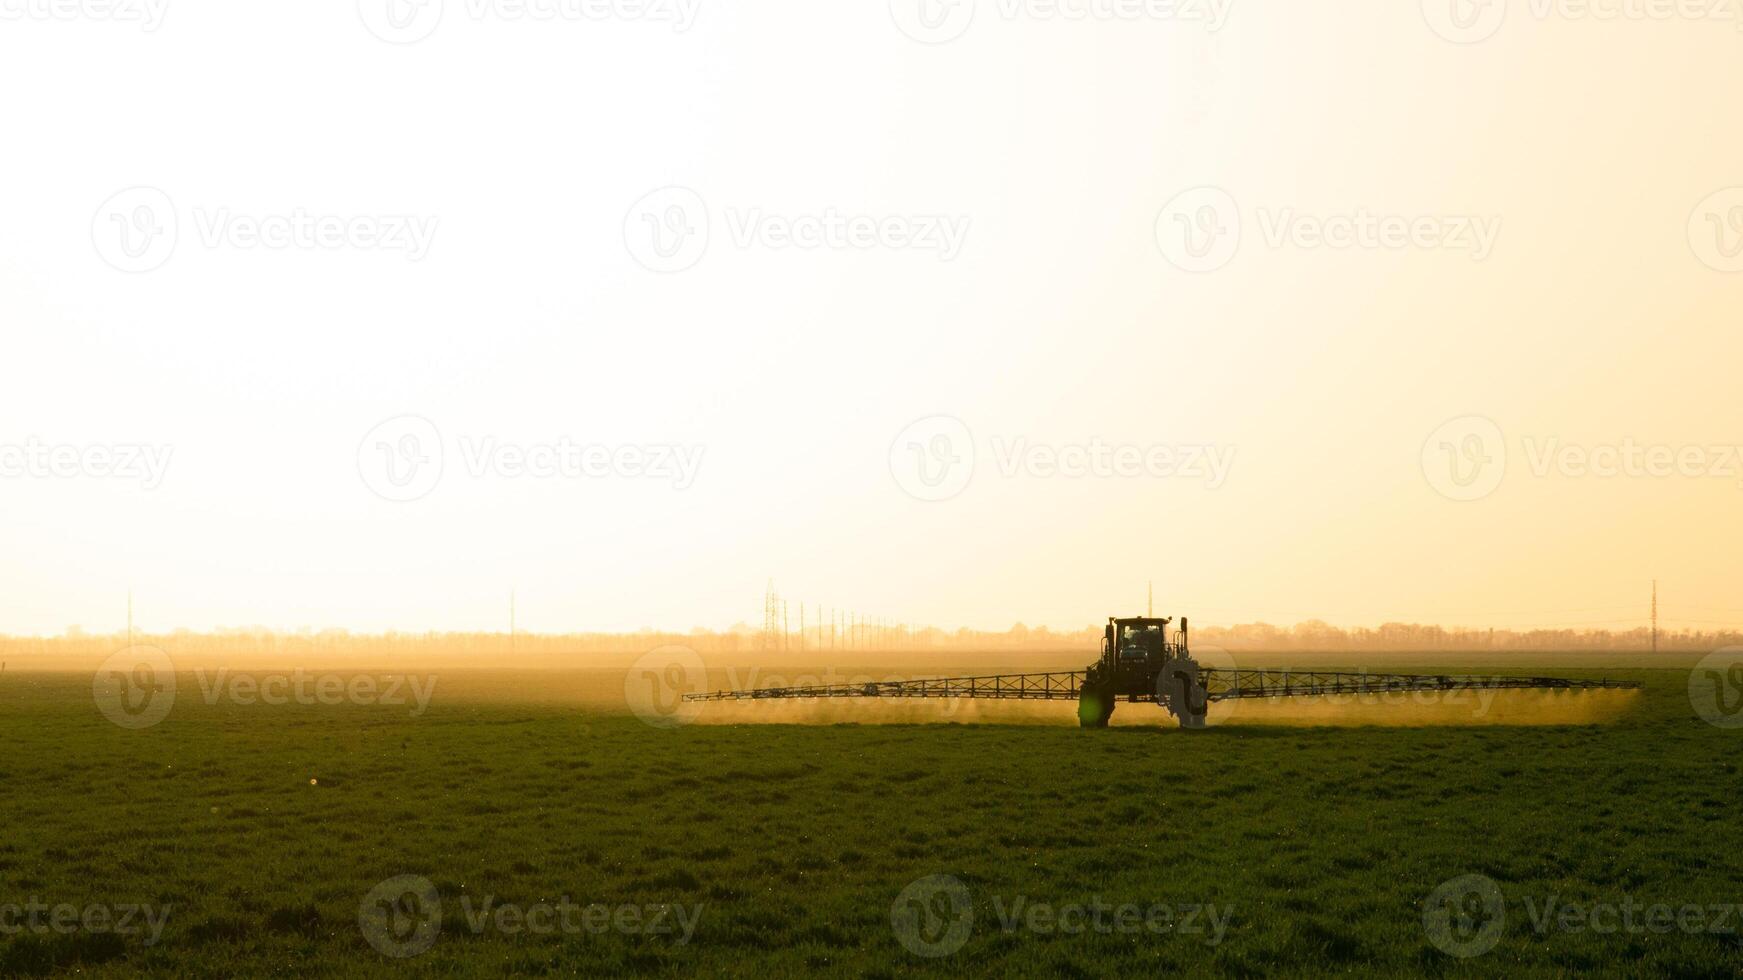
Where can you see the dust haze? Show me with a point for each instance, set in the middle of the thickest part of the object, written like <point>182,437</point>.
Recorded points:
<point>594,676</point>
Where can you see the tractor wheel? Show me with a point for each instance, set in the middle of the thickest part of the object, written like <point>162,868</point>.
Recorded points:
<point>1095,705</point>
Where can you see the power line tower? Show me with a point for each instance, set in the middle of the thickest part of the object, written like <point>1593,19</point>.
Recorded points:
<point>1655,615</point>
<point>771,616</point>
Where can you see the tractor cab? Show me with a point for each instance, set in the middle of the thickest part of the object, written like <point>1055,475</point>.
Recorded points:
<point>1141,640</point>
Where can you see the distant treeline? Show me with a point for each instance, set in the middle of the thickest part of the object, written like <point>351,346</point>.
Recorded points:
<point>263,644</point>
<point>1315,635</point>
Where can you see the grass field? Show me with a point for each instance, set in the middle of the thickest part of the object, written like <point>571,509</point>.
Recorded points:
<point>254,833</point>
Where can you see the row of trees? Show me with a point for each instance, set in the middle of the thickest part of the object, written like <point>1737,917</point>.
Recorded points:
<point>1313,635</point>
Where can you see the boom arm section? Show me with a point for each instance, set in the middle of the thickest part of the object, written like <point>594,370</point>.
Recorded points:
<point>1224,685</point>
<point>1058,686</point>
<point>1216,685</point>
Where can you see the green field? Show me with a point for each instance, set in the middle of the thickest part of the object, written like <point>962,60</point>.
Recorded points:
<point>254,833</point>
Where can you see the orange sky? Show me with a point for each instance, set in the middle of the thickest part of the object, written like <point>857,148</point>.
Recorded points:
<point>1246,311</point>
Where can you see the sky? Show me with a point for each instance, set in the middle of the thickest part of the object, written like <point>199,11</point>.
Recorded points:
<point>364,314</point>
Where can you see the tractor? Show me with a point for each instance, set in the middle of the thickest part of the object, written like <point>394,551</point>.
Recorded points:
<point>1142,661</point>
